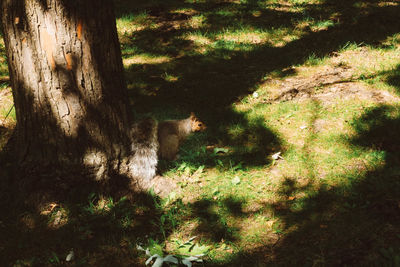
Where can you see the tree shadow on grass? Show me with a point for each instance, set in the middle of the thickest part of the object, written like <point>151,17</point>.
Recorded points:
<point>355,223</point>
<point>102,223</point>
<point>351,224</point>
<point>208,83</point>
<point>336,226</point>
<point>213,226</point>
<point>102,227</point>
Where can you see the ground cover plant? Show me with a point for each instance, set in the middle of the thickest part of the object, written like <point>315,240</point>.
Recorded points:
<point>299,165</point>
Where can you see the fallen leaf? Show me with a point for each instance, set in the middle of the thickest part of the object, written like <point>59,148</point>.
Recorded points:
<point>236,180</point>
<point>276,156</point>
<point>220,150</point>
<point>70,256</point>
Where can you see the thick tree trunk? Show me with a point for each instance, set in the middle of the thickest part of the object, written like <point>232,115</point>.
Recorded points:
<point>69,91</point>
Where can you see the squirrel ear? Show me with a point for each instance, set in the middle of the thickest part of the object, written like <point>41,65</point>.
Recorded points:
<point>192,116</point>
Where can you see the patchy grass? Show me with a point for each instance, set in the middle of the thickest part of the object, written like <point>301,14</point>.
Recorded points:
<point>300,162</point>
<point>7,111</point>
<point>3,61</point>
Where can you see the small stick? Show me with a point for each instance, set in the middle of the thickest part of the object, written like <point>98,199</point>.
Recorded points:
<point>7,114</point>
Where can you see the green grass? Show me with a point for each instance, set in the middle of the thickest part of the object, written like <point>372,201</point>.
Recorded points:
<point>3,60</point>
<point>331,198</point>
<point>8,113</point>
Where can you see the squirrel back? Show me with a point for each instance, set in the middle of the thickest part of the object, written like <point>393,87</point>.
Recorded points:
<point>172,133</point>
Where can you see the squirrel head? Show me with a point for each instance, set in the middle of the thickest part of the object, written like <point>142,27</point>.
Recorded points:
<point>196,124</point>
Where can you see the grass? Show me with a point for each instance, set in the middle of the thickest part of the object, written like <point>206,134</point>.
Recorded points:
<point>317,81</point>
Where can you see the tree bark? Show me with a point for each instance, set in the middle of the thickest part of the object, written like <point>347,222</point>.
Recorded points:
<point>69,91</point>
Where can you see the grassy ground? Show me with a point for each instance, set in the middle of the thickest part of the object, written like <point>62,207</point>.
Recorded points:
<point>316,81</point>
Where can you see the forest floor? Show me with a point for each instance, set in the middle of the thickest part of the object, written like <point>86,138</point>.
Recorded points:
<point>300,164</point>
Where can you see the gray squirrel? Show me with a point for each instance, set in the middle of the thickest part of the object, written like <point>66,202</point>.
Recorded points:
<point>172,133</point>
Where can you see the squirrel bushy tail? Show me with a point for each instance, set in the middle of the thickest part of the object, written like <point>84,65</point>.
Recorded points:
<point>144,147</point>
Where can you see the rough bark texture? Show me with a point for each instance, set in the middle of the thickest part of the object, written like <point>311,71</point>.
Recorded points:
<point>69,91</point>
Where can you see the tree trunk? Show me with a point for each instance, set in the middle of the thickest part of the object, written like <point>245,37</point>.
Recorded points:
<point>69,90</point>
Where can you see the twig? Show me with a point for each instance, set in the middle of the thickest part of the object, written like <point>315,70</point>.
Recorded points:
<point>7,115</point>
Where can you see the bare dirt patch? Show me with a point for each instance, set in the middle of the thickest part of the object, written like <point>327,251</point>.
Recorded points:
<point>332,83</point>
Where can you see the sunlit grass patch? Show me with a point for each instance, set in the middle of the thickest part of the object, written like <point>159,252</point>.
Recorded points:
<point>289,6</point>
<point>6,101</point>
<point>199,39</point>
<point>201,42</point>
<point>132,23</point>
<point>305,2</point>
<point>145,59</point>
<point>254,37</point>
<point>242,39</point>
<point>320,25</point>
<point>197,21</point>
<point>369,60</point>
<point>228,41</point>
<point>245,37</point>
<point>7,112</point>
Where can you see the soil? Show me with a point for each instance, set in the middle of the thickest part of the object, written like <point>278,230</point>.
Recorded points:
<point>329,85</point>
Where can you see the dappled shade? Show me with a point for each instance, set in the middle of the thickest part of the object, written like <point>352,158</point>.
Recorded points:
<point>210,57</point>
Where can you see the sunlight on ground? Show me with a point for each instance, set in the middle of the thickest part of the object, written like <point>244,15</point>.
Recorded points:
<point>301,144</point>
<point>198,39</point>
<point>244,37</point>
<point>144,59</point>
<point>130,24</point>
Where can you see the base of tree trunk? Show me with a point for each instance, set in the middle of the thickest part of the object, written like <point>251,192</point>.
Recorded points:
<point>43,183</point>
<point>39,187</point>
